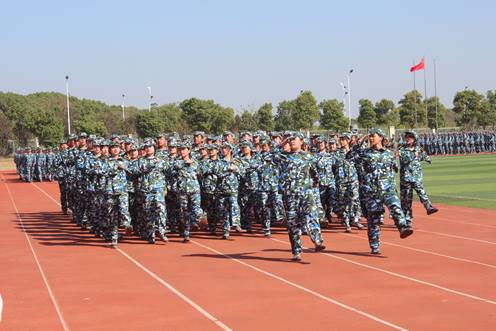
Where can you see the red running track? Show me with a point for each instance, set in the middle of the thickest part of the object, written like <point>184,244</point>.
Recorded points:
<point>56,276</point>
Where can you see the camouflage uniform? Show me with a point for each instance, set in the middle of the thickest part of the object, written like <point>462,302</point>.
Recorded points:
<point>188,189</point>
<point>411,178</point>
<point>296,186</point>
<point>153,172</point>
<point>380,189</point>
<point>117,202</point>
<point>248,189</point>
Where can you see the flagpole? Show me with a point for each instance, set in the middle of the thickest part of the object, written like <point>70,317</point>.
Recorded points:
<point>435,92</point>
<point>414,99</point>
<point>425,96</point>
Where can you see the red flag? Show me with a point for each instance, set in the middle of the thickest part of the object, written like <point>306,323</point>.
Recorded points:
<point>419,66</point>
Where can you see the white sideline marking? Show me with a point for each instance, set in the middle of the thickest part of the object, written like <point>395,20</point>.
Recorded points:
<point>1,307</point>
<point>176,292</point>
<point>464,223</point>
<point>402,276</point>
<point>160,280</point>
<point>52,296</point>
<point>458,237</point>
<point>462,197</point>
<point>427,252</point>
<point>323,297</point>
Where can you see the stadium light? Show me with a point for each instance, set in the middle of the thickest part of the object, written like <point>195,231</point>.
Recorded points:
<point>123,107</point>
<point>68,107</point>
<point>150,97</point>
<point>349,97</point>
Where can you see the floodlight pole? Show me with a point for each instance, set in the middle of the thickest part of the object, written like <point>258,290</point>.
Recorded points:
<point>349,97</point>
<point>149,98</point>
<point>123,108</point>
<point>68,106</point>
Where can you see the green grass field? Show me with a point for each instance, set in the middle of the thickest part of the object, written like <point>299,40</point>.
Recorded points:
<point>467,181</point>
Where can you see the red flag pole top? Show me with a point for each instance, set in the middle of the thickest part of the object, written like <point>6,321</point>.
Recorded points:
<point>419,66</point>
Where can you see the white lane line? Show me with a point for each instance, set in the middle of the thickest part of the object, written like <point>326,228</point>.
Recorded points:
<point>1,307</point>
<point>176,292</point>
<point>402,276</point>
<point>427,252</point>
<point>461,197</point>
<point>457,237</point>
<point>323,297</point>
<point>160,280</point>
<point>45,280</point>
<point>464,223</point>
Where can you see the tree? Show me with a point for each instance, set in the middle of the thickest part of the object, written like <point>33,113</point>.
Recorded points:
<point>170,116</point>
<point>491,99</point>
<point>435,120</point>
<point>412,110</point>
<point>332,116</point>
<point>264,117</point>
<point>393,118</point>
<point>366,117</point>
<point>247,122</point>
<point>221,119</point>
<point>148,124</point>
<point>382,109</point>
<point>48,127</point>
<point>196,113</point>
<point>469,108</point>
<point>305,112</point>
<point>283,119</point>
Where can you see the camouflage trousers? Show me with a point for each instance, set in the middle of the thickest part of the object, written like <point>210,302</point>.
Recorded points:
<point>209,203</point>
<point>137,213</point>
<point>375,202</point>
<point>63,196</point>
<point>79,214</point>
<point>189,210</point>
<point>39,173</point>
<point>173,209</point>
<point>349,200</point>
<point>406,195</point>
<point>228,212</point>
<point>301,211</point>
<point>94,211</point>
<point>328,199</point>
<point>269,205</point>
<point>155,214</point>
<point>117,208</point>
<point>248,203</point>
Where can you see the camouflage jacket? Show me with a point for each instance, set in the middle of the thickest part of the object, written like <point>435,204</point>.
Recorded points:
<point>411,164</point>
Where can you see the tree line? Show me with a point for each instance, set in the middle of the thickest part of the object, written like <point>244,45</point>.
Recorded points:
<point>44,116</point>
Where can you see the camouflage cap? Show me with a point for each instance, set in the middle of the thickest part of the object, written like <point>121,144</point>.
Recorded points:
<point>264,141</point>
<point>72,136</point>
<point>246,143</point>
<point>333,141</point>
<point>160,135</point>
<point>377,131</point>
<point>199,133</point>
<point>228,133</point>
<point>246,133</point>
<point>228,145</point>
<point>92,137</point>
<point>214,146</point>
<point>184,144</point>
<point>346,135</point>
<point>297,134</point>
<point>173,143</point>
<point>83,135</point>
<point>105,142</point>
<point>148,142</point>
<point>411,134</point>
<point>62,141</point>
<point>114,136</point>
<point>321,139</point>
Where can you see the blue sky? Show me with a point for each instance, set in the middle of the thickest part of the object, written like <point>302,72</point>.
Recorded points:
<point>245,53</point>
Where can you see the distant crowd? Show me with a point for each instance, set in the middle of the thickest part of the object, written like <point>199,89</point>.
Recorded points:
<point>450,143</point>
